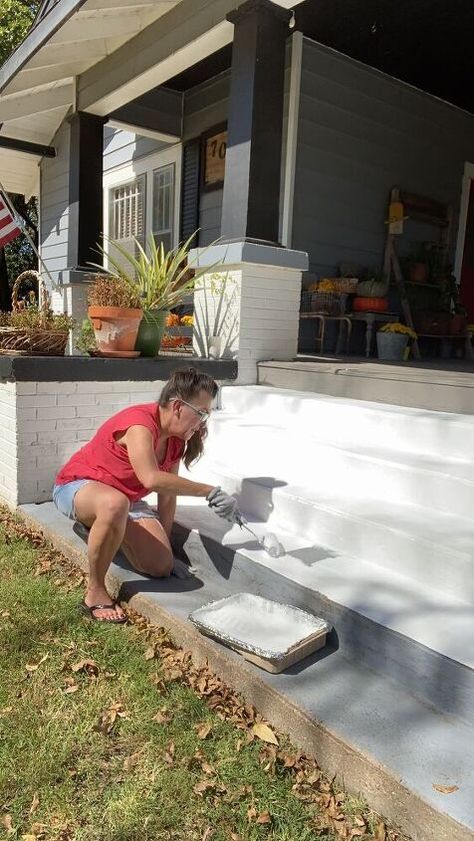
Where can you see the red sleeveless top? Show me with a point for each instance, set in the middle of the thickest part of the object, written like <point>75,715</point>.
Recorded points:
<point>104,460</point>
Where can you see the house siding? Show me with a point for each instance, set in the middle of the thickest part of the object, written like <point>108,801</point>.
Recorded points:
<point>360,133</point>
<point>123,147</point>
<point>54,206</point>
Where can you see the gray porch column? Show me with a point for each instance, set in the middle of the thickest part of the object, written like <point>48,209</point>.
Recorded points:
<point>252,173</point>
<point>85,189</point>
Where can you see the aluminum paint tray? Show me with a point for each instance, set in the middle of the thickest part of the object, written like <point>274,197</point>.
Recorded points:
<point>270,634</point>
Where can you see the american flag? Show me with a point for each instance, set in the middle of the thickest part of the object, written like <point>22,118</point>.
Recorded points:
<point>9,228</point>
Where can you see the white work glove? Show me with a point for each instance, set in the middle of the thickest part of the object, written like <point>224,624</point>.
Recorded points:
<point>224,505</point>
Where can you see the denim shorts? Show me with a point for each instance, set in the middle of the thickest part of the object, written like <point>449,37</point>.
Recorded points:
<point>63,498</point>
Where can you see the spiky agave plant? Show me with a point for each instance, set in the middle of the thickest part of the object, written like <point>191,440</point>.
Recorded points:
<point>162,277</point>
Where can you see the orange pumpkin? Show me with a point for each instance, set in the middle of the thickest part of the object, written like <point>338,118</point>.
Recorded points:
<point>370,304</point>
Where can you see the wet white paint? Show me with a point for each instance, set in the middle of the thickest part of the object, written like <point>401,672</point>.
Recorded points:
<point>258,622</point>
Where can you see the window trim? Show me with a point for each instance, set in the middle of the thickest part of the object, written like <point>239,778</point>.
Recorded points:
<point>126,173</point>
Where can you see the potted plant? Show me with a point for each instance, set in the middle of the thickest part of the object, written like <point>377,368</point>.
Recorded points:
<point>392,341</point>
<point>371,293</point>
<point>85,341</point>
<point>162,279</point>
<point>32,328</point>
<point>115,313</point>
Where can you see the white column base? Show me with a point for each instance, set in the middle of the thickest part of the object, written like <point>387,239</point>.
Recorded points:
<point>247,306</point>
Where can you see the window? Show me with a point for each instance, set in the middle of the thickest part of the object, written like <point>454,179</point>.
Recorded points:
<point>141,199</point>
<point>127,211</point>
<point>163,206</point>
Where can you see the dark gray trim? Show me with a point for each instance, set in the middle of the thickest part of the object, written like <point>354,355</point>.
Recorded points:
<point>87,369</point>
<point>25,146</point>
<point>85,188</point>
<point>159,110</point>
<point>190,188</point>
<point>251,202</point>
<point>37,37</point>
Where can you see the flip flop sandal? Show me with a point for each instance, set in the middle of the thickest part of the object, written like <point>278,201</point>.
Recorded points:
<point>89,612</point>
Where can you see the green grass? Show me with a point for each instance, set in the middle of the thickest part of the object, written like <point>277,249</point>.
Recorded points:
<point>70,773</point>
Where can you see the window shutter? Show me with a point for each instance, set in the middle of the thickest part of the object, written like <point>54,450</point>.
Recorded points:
<point>190,189</point>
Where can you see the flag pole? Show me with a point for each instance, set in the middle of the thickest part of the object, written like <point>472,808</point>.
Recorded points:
<point>24,229</point>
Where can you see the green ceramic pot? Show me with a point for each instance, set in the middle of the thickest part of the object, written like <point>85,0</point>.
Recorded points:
<point>152,327</point>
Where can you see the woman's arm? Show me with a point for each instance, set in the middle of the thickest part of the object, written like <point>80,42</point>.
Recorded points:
<point>167,505</point>
<point>139,443</point>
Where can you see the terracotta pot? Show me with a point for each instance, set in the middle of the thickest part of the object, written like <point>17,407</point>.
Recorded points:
<point>115,329</point>
<point>370,304</point>
<point>418,272</point>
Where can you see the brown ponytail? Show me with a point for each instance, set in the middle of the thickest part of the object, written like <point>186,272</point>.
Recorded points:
<point>186,383</point>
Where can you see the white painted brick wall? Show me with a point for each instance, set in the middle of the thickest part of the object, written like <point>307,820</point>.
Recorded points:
<point>259,315</point>
<point>44,423</point>
<point>9,448</point>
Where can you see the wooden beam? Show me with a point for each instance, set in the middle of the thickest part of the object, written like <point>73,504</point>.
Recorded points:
<point>192,30</point>
<point>25,146</point>
<point>33,101</point>
<point>39,35</point>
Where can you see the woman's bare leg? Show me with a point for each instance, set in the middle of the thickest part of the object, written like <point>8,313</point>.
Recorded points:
<point>105,511</point>
<point>147,548</point>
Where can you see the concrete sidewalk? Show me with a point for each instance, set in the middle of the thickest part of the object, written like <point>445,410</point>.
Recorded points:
<point>380,740</point>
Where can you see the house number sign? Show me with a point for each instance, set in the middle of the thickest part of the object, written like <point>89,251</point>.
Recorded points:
<point>214,160</point>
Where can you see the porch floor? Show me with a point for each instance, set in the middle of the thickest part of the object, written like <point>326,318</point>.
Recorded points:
<point>439,384</point>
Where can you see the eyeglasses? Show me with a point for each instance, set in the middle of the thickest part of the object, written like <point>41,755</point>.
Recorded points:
<point>203,414</point>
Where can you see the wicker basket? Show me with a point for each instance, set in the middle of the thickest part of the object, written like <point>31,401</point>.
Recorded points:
<point>32,341</point>
<point>328,303</point>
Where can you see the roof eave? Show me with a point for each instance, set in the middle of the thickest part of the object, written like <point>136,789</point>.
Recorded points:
<point>37,37</point>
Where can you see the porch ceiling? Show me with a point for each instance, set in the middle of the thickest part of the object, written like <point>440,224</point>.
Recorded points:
<point>90,55</point>
<point>37,81</point>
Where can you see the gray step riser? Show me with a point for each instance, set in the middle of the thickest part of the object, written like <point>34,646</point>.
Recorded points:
<point>355,426</point>
<point>328,470</point>
<point>426,563</point>
<point>426,395</point>
<point>437,680</point>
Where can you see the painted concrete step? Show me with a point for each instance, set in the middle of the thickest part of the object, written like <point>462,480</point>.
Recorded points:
<point>365,472</point>
<point>355,423</point>
<point>419,385</point>
<point>380,725</point>
<point>422,544</point>
<point>420,638</point>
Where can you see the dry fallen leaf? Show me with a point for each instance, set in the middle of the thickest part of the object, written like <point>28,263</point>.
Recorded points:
<point>29,837</point>
<point>6,822</point>
<point>203,730</point>
<point>380,832</point>
<point>265,733</point>
<point>265,817</point>
<point>208,769</point>
<point>445,789</point>
<point>70,689</point>
<point>35,803</point>
<point>203,786</point>
<point>208,833</point>
<point>87,666</point>
<point>130,761</point>
<point>150,653</point>
<point>163,716</point>
<point>235,837</point>
<point>251,814</point>
<point>32,668</point>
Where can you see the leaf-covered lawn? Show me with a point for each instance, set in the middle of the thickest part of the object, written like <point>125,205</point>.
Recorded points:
<point>113,734</point>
